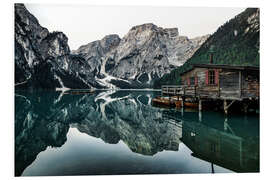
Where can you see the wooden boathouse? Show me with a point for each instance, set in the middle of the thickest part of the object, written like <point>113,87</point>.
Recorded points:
<point>208,82</point>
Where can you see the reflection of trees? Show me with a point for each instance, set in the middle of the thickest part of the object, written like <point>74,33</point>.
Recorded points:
<point>223,143</point>
<point>230,142</point>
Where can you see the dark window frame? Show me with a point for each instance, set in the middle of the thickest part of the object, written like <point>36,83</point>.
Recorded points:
<point>192,81</point>
<point>211,77</point>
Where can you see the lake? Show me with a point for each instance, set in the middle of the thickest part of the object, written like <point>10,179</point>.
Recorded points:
<point>120,132</point>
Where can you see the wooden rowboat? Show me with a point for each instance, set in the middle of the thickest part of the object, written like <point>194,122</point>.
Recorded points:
<point>163,101</point>
<point>191,104</point>
<point>178,104</point>
<point>173,102</point>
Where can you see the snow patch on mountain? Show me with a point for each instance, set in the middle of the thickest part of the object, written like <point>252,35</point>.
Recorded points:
<point>62,88</point>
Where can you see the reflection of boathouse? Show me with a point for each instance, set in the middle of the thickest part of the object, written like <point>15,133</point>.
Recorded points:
<point>223,148</point>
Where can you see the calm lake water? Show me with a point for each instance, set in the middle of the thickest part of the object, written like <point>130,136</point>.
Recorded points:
<point>120,132</point>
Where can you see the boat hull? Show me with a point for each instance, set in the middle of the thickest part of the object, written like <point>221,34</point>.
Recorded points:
<point>173,103</point>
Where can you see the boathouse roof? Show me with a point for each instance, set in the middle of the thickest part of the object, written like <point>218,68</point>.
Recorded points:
<point>223,66</point>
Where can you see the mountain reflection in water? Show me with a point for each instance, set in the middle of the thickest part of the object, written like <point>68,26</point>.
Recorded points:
<point>52,125</point>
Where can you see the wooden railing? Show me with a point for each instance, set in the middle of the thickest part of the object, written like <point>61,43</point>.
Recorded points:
<point>208,92</point>
<point>179,90</point>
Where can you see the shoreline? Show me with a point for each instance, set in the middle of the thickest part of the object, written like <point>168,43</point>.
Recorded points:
<point>63,90</point>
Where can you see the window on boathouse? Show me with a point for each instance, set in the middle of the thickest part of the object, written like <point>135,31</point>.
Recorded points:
<point>212,77</point>
<point>191,81</point>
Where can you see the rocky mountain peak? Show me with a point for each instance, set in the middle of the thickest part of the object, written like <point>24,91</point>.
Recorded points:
<point>141,33</point>
<point>172,32</point>
<point>143,27</point>
<point>98,47</point>
<point>152,28</point>
<point>109,42</point>
<point>151,51</point>
<point>43,60</point>
<point>26,23</point>
<point>145,53</point>
<point>149,29</point>
<point>54,45</point>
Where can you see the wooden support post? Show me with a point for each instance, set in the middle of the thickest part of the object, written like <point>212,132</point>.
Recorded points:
<point>225,107</point>
<point>183,102</point>
<point>245,108</point>
<point>200,105</point>
<point>240,84</point>
<point>218,85</point>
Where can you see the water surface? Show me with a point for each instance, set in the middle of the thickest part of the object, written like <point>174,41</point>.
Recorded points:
<point>120,132</point>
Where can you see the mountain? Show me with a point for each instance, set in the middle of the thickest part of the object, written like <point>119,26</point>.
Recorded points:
<point>43,59</point>
<point>234,43</point>
<point>95,53</point>
<point>144,54</point>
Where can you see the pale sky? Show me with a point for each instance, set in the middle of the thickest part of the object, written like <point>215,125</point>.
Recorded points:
<point>85,23</point>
